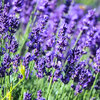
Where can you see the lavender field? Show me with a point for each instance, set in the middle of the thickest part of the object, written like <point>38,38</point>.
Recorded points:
<point>49,49</point>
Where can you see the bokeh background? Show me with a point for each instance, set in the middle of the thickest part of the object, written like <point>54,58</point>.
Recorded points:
<point>93,3</point>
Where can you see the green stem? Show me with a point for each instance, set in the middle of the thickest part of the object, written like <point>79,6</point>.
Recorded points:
<point>85,94</point>
<point>96,77</point>
<point>51,89</point>
<point>48,92</point>
<point>2,2</point>
<point>77,40</point>
<point>13,88</point>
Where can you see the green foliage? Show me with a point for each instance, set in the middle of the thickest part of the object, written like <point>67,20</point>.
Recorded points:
<point>86,2</point>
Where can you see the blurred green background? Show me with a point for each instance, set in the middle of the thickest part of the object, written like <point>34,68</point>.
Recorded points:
<point>94,3</point>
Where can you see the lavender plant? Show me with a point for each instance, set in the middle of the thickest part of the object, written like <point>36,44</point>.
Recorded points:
<point>49,50</point>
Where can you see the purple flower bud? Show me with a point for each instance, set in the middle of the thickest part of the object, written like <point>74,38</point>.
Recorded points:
<point>39,95</point>
<point>26,59</point>
<point>27,96</point>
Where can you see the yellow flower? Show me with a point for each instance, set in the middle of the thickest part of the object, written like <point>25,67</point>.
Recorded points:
<point>22,70</point>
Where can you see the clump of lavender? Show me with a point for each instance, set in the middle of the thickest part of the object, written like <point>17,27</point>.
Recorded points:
<point>26,59</point>
<point>16,61</point>
<point>13,46</point>
<point>5,65</point>
<point>17,5</point>
<point>67,3</point>
<point>46,6</point>
<point>55,47</point>
<point>8,27</point>
<point>57,44</point>
<point>13,23</point>
<point>4,19</point>
<point>27,96</point>
<point>83,77</point>
<point>39,47</point>
<point>36,33</point>
<point>2,71</point>
<point>39,95</point>
<point>97,61</point>
<point>2,51</point>
<point>27,8</point>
